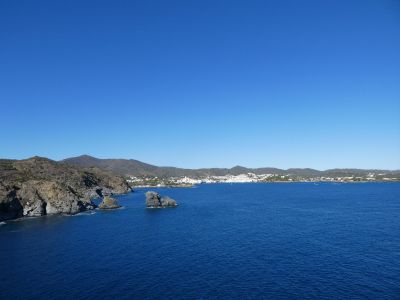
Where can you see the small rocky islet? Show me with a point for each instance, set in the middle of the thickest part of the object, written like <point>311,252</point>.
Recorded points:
<point>155,200</point>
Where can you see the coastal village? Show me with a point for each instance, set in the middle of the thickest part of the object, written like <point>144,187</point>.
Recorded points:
<point>146,181</point>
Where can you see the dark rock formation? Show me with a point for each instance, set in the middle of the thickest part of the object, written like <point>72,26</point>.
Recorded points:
<point>109,203</point>
<point>39,186</point>
<point>154,200</point>
<point>10,207</point>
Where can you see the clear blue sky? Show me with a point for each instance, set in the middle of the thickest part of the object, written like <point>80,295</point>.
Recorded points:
<point>203,83</point>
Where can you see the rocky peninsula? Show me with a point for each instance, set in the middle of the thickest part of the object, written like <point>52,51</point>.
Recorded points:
<point>40,186</point>
<point>154,200</point>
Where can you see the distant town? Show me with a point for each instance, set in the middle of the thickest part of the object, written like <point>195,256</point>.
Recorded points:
<point>185,181</point>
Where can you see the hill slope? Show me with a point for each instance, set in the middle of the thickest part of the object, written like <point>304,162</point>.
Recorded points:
<point>137,168</point>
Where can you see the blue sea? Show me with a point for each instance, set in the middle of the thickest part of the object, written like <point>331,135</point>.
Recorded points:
<point>224,241</point>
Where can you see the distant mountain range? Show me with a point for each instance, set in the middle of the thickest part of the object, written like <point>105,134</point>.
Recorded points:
<point>137,168</point>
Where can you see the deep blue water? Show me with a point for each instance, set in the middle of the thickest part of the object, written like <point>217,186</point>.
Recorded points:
<point>241,241</point>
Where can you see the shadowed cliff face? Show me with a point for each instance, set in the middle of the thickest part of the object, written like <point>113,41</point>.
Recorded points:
<point>39,186</point>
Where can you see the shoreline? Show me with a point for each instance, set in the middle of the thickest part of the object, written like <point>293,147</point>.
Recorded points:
<point>259,182</point>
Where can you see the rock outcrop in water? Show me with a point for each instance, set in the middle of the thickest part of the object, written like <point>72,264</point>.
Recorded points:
<point>154,200</point>
<point>109,203</point>
<point>40,186</point>
<point>168,202</point>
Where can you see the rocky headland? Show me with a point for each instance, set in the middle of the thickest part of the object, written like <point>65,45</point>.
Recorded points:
<point>154,200</point>
<point>40,186</point>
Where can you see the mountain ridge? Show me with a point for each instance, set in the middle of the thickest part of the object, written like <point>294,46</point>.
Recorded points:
<point>134,167</point>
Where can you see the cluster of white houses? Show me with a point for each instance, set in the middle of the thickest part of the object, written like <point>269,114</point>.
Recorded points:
<point>246,178</point>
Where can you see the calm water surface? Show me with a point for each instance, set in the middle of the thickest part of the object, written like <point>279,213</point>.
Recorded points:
<point>241,241</point>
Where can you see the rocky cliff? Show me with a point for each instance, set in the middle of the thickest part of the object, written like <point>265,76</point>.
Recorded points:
<point>40,186</point>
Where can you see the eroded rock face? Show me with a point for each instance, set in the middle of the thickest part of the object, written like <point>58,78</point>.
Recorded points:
<point>64,200</point>
<point>40,186</point>
<point>37,198</point>
<point>31,200</point>
<point>109,203</point>
<point>154,200</point>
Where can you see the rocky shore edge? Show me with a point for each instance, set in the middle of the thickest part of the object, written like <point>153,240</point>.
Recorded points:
<point>40,186</point>
<point>109,203</point>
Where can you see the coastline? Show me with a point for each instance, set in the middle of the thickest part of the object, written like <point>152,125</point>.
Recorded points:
<point>261,182</point>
